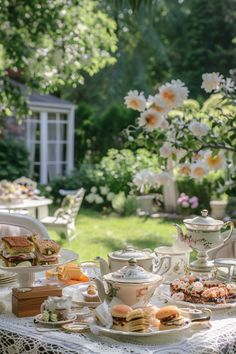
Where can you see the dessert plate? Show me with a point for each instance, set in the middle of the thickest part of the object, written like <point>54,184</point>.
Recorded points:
<point>75,291</point>
<point>165,294</point>
<point>38,319</point>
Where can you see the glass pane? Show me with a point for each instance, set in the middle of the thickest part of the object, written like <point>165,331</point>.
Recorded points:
<point>63,131</point>
<point>51,116</point>
<point>63,116</point>
<point>52,152</point>
<point>52,131</point>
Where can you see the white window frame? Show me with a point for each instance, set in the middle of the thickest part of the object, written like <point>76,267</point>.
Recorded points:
<point>69,142</point>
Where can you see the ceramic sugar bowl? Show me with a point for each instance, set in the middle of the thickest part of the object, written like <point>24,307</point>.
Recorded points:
<point>132,284</point>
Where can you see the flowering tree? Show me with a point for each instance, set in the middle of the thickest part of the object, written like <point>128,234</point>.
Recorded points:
<point>191,138</point>
<point>51,43</point>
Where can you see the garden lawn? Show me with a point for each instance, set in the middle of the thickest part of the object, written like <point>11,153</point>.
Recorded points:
<point>97,234</point>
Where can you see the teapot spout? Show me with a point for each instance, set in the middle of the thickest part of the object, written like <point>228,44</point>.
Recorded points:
<point>179,232</point>
<point>104,267</point>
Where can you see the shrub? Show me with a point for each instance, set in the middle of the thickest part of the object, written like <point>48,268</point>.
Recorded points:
<point>14,159</point>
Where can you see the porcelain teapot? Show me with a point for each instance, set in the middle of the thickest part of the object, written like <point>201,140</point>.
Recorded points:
<point>145,258</point>
<point>203,233</point>
<point>131,284</point>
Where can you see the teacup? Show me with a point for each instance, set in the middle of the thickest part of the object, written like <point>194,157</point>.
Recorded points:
<point>56,304</point>
<point>179,261</point>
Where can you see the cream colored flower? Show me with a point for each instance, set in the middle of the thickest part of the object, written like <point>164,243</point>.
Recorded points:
<point>98,199</point>
<point>198,170</point>
<point>173,93</point>
<point>150,120</point>
<point>185,169</point>
<point>135,100</point>
<point>104,190</point>
<point>214,162</point>
<point>160,105</point>
<point>228,85</point>
<point>198,129</point>
<point>110,196</point>
<point>90,198</point>
<point>166,150</point>
<point>211,82</point>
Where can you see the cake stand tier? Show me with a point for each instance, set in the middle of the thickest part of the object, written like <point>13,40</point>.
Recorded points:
<point>26,275</point>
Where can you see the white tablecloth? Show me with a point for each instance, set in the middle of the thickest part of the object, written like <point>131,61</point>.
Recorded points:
<point>19,335</point>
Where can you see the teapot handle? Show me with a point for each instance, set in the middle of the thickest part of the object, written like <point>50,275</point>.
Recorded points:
<point>231,224</point>
<point>159,263</point>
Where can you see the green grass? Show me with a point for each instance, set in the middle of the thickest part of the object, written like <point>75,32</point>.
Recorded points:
<point>97,235</point>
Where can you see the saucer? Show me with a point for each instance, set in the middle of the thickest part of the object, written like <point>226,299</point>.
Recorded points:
<point>38,319</point>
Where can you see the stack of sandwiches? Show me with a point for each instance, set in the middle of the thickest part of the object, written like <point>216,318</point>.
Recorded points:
<point>128,320</point>
<point>17,249</point>
<point>46,251</point>
<point>31,249</point>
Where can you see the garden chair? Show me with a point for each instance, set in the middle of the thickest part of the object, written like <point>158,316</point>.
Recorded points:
<point>63,220</point>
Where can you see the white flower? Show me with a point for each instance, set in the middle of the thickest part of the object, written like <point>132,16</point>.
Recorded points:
<point>145,178</point>
<point>198,129</point>
<point>48,188</point>
<point>211,82</point>
<point>104,190</point>
<point>198,170</point>
<point>157,103</point>
<point>166,150</point>
<point>228,85</point>
<point>185,169</point>
<point>150,120</point>
<point>98,199</point>
<point>214,162</point>
<point>135,100</point>
<point>163,177</point>
<point>93,190</point>
<point>173,93</point>
<point>90,198</point>
<point>110,196</point>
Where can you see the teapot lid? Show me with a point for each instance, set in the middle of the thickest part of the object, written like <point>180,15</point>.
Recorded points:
<point>130,252</point>
<point>203,220</point>
<point>132,273</point>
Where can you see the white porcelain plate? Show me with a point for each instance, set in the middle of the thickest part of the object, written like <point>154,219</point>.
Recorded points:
<point>150,333</point>
<point>38,319</point>
<point>165,294</point>
<point>65,256</point>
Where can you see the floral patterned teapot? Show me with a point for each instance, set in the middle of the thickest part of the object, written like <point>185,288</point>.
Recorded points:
<point>203,233</point>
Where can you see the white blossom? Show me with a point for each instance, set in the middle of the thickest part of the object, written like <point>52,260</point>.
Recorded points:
<point>198,170</point>
<point>166,150</point>
<point>211,81</point>
<point>93,190</point>
<point>135,100</point>
<point>214,162</point>
<point>104,190</point>
<point>198,129</point>
<point>90,198</point>
<point>150,120</point>
<point>163,177</point>
<point>110,196</point>
<point>174,93</point>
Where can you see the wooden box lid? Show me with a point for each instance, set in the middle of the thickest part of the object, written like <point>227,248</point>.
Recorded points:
<point>37,292</point>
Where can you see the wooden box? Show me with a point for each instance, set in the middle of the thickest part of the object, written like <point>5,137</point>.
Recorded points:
<point>28,303</point>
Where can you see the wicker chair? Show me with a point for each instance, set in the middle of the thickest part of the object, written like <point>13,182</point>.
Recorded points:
<point>63,220</point>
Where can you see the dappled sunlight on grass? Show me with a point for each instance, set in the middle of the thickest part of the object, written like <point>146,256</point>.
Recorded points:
<point>97,234</point>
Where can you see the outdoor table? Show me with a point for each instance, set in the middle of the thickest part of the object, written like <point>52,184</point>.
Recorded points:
<point>38,208</point>
<point>19,335</point>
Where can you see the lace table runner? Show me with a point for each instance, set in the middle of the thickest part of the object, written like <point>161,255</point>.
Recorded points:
<point>19,335</point>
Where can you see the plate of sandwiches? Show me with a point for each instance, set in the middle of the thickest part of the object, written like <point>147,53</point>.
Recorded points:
<point>32,253</point>
<point>200,292</point>
<point>142,322</point>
